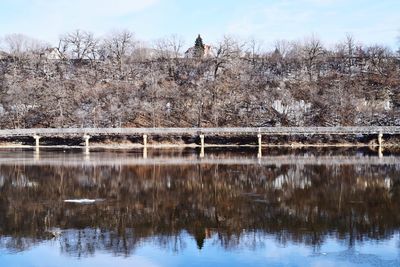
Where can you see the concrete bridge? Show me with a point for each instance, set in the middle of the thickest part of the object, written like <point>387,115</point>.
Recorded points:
<point>87,133</point>
<point>204,131</point>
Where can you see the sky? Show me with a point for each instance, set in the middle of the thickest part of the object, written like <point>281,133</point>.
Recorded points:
<point>369,21</point>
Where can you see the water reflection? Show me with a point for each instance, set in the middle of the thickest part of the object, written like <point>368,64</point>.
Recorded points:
<point>173,206</point>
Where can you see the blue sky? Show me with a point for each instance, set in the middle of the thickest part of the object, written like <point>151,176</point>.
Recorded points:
<point>369,21</point>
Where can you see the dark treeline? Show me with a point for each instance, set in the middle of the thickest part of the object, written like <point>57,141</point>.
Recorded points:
<point>296,203</point>
<point>118,81</point>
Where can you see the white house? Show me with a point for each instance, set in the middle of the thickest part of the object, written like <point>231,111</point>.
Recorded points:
<point>208,52</point>
<point>52,54</point>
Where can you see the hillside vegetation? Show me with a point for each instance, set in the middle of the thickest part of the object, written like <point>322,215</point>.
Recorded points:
<point>117,82</point>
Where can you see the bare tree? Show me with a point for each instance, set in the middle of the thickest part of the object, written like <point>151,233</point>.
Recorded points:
<point>312,52</point>
<point>398,41</point>
<point>19,45</point>
<point>142,52</point>
<point>227,49</point>
<point>283,46</point>
<point>350,51</point>
<point>80,44</point>
<point>162,49</point>
<point>176,43</point>
<point>377,56</point>
<point>118,45</point>
<point>345,52</point>
<point>169,47</point>
<point>253,49</point>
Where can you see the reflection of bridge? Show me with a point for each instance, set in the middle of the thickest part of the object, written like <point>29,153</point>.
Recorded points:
<point>94,159</point>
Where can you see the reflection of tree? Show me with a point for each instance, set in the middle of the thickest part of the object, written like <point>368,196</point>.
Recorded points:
<point>85,242</point>
<point>158,203</point>
<point>17,243</point>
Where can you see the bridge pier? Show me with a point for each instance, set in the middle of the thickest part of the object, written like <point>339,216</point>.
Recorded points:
<point>259,136</point>
<point>380,139</point>
<point>145,140</point>
<point>37,137</point>
<point>380,143</point>
<point>86,137</point>
<point>202,146</point>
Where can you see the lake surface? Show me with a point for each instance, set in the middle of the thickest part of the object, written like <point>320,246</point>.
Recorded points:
<point>330,207</point>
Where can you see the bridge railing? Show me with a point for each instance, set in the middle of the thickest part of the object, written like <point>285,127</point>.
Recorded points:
<point>196,131</point>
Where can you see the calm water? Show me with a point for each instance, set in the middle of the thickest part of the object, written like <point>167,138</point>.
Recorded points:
<point>172,208</point>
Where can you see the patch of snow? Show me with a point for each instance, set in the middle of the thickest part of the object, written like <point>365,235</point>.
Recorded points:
<point>294,107</point>
<point>387,105</point>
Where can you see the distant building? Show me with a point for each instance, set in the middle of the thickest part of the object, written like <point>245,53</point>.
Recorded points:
<point>52,54</point>
<point>208,52</point>
<point>144,53</point>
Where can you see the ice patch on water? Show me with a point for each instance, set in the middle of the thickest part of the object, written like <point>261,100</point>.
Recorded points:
<point>83,201</point>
